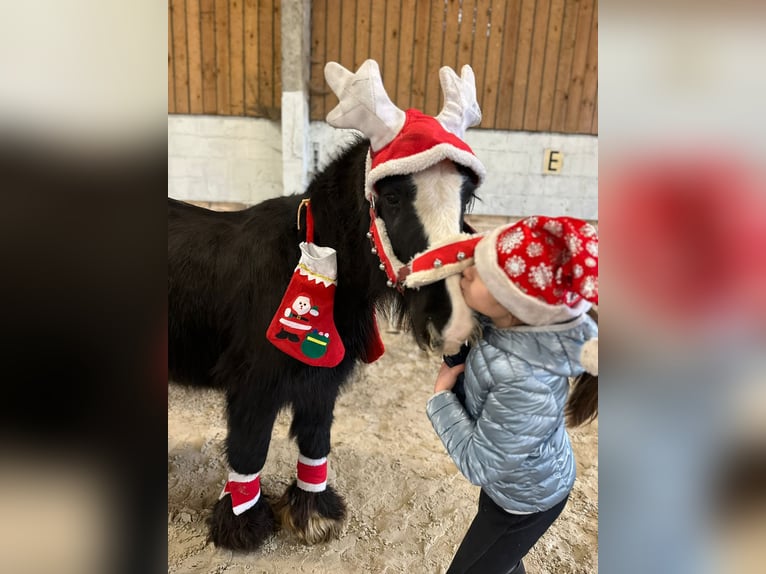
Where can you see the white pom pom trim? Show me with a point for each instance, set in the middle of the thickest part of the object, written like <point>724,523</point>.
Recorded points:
<point>589,356</point>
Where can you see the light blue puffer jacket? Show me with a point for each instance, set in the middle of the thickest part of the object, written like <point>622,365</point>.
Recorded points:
<point>510,438</point>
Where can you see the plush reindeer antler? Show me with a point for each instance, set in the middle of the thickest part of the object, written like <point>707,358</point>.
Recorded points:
<point>364,104</point>
<point>461,110</point>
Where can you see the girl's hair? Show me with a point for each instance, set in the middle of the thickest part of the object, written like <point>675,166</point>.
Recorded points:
<point>582,406</point>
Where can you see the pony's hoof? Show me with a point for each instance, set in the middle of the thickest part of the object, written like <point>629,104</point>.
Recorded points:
<point>313,517</point>
<point>245,532</point>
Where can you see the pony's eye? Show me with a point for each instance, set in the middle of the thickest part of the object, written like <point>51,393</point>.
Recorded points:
<point>391,198</point>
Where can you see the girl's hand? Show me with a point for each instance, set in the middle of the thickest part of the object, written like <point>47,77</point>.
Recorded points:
<point>447,377</point>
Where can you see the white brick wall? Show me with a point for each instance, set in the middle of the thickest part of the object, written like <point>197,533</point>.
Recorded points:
<point>240,160</point>
<point>213,158</point>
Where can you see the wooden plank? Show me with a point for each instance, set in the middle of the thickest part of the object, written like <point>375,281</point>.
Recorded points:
<point>171,63</point>
<point>594,123</point>
<point>420,55</point>
<point>579,62</point>
<point>389,65</point>
<point>250,57</point>
<point>435,43</point>
<point>276,62</point>
<point>508,66</point>
<point>237,57</point>
<point>347,39</point>
<point>590,83</point>
<point>332,44</point>
<point>488,96</point>
<point>536,64</point>
<point>523,55</point>
<point>181,67</point>
<point>479,49</point>
<point>265,55</point>
<point>194,55</point>
<point>566,55</point>
<point>466,37</point>
<point>451,33</point>
<point>362,32</point>
<point>317,85</point>
<point>209,72</point>
<point>222,55</point>
<point>550,65</point>
<point>406,44</point>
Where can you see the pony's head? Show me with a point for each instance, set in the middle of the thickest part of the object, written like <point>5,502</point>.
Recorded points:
<point>420,178</point>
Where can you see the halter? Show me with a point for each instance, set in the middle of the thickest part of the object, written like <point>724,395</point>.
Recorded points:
<point>437,262</point>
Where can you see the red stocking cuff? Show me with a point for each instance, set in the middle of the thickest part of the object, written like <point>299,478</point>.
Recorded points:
<point>312,473</point>
<point>245,490</point>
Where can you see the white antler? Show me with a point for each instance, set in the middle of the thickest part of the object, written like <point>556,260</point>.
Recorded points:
<point>461,110</point>
<point>364,104</point>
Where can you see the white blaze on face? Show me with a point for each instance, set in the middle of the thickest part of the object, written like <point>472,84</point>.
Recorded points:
<point>438,200</point>
<point>438,204</point>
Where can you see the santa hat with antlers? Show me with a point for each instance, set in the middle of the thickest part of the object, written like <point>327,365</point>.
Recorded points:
<point>404,142</point>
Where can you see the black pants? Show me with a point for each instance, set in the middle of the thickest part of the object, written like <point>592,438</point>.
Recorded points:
<point>496,540</point>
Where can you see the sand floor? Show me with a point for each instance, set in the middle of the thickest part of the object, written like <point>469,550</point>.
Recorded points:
<point>408,506</point>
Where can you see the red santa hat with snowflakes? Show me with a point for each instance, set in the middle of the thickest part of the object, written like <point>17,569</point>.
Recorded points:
<point>544,270</point>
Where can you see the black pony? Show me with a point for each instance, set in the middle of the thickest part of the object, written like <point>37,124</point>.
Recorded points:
<point>227,273</point>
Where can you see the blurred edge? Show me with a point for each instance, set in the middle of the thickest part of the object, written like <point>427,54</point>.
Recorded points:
<point>83,93</point>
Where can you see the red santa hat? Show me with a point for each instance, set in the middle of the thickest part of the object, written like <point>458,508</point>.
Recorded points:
<point>544,270</point>
<point>405,142</point>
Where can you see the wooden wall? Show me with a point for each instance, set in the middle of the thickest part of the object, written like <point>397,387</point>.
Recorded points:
<point>224,57</point>
<point>536,61</point>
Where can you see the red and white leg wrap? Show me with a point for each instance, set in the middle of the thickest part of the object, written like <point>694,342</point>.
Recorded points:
<point>245,490</point>
<point>312,473</point>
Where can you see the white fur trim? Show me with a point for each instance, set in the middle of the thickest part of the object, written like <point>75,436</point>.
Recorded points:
<point>236,477</point>
<point>308,487</point>
<point>240,508</point>
<point>528,309</point>
<point>417,279</point>
<point>423,160</point>
<point>461,322</point>
<point>321,262</point>
<point>589,356</point>
<point>311,461</point>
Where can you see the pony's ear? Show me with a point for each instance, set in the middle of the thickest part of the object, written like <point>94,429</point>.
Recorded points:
<point>461,110</point>
<point>364,104</point>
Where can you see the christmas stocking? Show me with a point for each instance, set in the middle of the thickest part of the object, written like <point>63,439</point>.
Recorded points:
<point>303,326</point>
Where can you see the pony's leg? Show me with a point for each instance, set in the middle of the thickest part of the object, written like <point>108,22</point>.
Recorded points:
<point>310,508</point>
<point>247,445</point>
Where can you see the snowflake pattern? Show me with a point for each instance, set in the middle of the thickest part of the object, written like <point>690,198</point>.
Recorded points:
<point>534,250</point>
<point>511,241</point>
<point>592,248</point>
<point>589,287</point>
<point>515,266</point>
<point>577,270</point>
<point>588,230</point>
<point>541,276</point>
<point>590,262</point>
<point>553,227</point>
<point>574,243</point>
<point>531,221</point>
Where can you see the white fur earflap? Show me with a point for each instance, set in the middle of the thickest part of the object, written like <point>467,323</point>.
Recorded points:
<point>589,356</point>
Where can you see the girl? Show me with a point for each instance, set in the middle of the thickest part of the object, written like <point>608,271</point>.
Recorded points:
<point>532,283</point>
